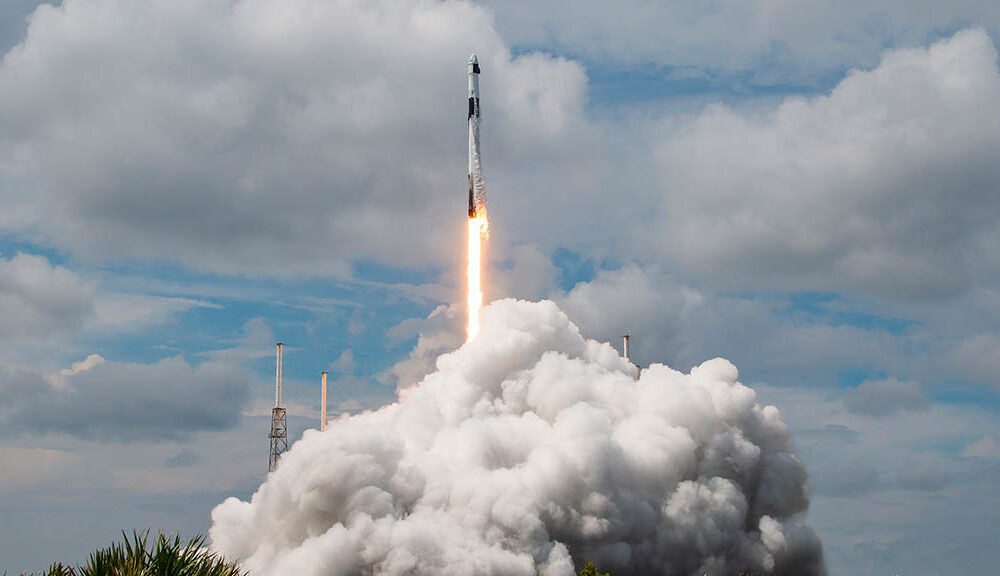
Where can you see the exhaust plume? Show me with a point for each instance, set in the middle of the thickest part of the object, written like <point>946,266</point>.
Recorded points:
<point>478,232</point>
<point>532,450</point>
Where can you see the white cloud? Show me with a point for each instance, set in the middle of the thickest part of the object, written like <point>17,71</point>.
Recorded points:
<point>24,467</point>
<point>38,298</point>
<point>212,110</point>
<point>60,379</point>
<point>881,187</point>
<point>890,491</point>
<point>344,363</point>
<point>923,474</point>
<point>83,365</point>
<point>256,340</point>
<point>776,42</point>
<point>44,303</point>
<point>851,480</point>
<point>886,397</point>
<point>134,312</point>
<point>683,325</point>
<point>885,186</point>
<point>978,358</point>
<point>121,401</point>
<point>175,480</point>
<point>986,448</point>
<point>526,273</point>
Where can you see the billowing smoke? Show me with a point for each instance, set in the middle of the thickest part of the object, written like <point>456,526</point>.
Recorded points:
<point>531,450</point>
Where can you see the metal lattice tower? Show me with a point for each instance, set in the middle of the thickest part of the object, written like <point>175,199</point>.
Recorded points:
<point>279,425</point>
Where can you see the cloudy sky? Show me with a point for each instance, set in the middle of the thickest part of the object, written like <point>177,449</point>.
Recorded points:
<point>810,190</point>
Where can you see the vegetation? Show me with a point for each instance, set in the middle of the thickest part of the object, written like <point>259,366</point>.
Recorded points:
<point>170,557</point>
<point>591,570</point>
<point>138,557</point>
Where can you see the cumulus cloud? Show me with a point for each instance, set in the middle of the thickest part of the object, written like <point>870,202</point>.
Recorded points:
<point>976,358</point>
<point>42,301</point>
<point>886,397</point>
<point>183,459</point>
<point>214,109</point>
<point>256,340</point>
<point>168,399</point>
<point>853,480</point>
<point>779,42</point>
<point>83,365</point>
<point>531,450</point>
<point>38,298</point>
<point>657,310</point>
<point>31,466</point>
<point>922,474</point>
<point>526,273</point>
<point>884,186</point>
<point>686,325</point>
<point>344,363</point>
<point>986,448</point>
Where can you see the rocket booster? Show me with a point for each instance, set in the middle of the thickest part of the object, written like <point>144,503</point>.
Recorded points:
<point>477,187</point>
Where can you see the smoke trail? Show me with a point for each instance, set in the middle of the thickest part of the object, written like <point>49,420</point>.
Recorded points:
<point>532,450</point>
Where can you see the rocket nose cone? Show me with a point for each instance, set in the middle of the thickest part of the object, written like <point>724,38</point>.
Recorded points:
<point>473,59</point>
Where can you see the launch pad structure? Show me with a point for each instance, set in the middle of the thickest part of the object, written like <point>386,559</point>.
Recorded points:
<point>279,424</point>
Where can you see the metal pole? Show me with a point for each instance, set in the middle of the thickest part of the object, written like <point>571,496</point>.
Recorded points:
<point>322,417</point>
<point>277,379</point>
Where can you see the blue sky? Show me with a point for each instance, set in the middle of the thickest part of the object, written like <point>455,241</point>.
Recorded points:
<point>809,191</point>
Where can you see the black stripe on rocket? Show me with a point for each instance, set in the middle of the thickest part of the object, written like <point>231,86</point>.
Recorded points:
<point>472,202</point>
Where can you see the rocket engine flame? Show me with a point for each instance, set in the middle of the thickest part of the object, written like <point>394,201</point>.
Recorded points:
<point>478,231</point>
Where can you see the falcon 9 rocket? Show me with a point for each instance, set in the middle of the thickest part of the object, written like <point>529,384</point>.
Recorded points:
<point>477,187</point>
<point>478,221</point>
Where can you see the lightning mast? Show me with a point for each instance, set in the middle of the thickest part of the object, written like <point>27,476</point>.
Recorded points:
<point>322,409</point>
<point>625,354</point>
<point>279,427</point>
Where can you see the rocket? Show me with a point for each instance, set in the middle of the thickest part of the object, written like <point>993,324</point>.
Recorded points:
<point>477,187</point>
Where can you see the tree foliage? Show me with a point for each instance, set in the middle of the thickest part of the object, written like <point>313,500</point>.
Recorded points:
<point>168,556</point>
<point>591,570</point>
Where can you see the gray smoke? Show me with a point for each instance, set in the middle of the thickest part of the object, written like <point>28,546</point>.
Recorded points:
<point>532,450</point>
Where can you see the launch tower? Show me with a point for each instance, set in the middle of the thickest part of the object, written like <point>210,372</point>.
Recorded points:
<point>279,427</point>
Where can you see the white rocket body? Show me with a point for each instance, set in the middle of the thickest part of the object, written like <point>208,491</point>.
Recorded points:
<point>477,186</point>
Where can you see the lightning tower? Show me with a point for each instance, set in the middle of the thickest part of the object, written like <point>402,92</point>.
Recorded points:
<point>279,427</point>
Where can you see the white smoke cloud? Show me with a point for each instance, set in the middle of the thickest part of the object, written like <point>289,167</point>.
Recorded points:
<point>531,450</point>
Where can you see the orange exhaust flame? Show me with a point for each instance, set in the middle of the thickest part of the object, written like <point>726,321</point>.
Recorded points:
<point>478,231</point>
